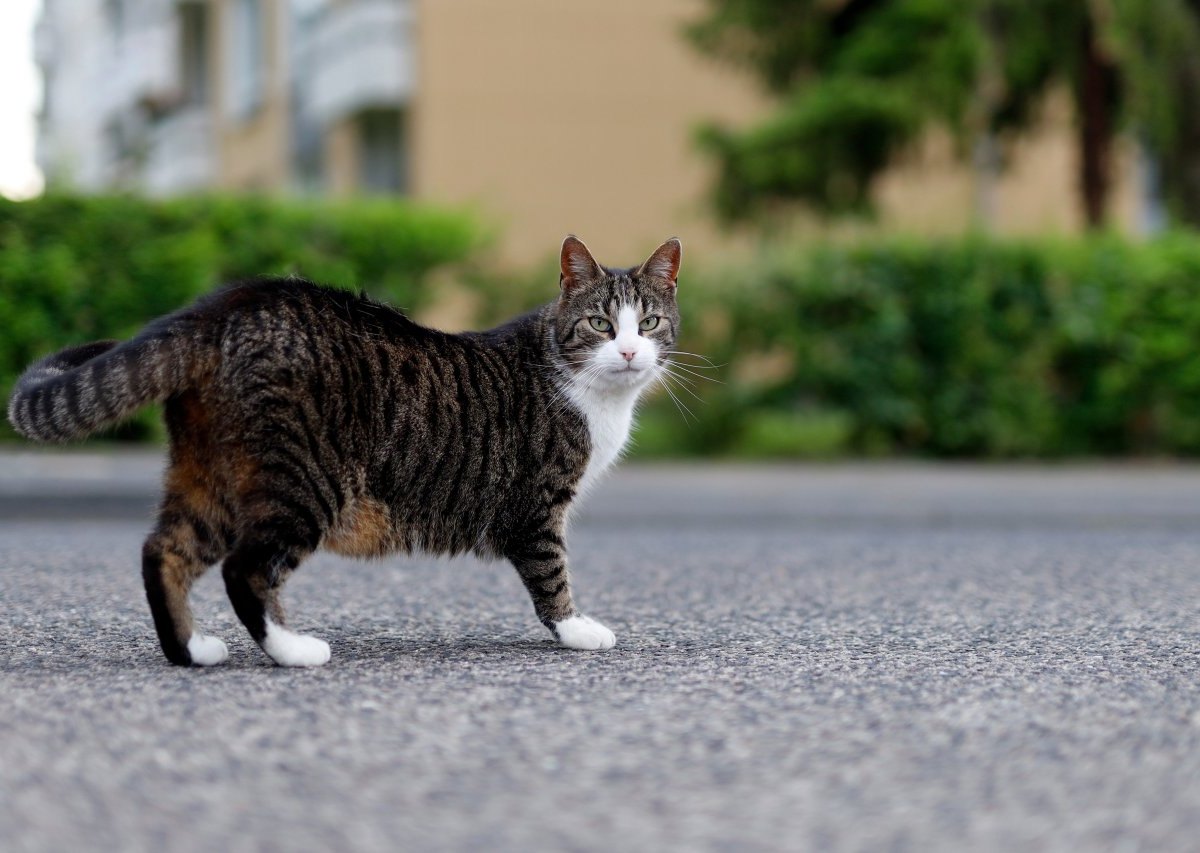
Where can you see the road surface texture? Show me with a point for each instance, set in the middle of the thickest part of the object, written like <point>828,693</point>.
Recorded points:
<point>900,658</point>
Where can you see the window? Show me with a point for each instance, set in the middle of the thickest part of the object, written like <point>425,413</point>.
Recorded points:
<point>193,52</point>
<point>114,17</point>
<point>246,65</point>
<point>381,152</point>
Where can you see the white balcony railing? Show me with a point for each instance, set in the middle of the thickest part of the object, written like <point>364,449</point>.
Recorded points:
<point>362,55</point>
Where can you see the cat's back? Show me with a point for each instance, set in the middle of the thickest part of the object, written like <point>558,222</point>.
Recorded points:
<point>306,309</point>
<point>290,330</point>
<point>360,362</point>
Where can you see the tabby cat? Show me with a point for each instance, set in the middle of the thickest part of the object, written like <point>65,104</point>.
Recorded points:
<point>302,417</point>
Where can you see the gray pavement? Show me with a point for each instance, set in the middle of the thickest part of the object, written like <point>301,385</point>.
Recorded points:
<point>899,657</point>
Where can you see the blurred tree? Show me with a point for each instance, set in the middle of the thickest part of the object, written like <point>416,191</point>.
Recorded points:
<point>1159,46</point>
<point>860,80</point>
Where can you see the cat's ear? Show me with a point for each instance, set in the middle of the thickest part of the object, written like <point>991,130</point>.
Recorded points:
<point>664,263</point>
<point>576,264</point>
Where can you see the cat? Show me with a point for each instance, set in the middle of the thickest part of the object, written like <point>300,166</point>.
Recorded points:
<point>303,418</point>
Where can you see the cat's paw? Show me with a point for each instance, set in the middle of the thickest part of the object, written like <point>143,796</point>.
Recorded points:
<point>288,648</point>
<point>206,651</point>
<point>583,632</point>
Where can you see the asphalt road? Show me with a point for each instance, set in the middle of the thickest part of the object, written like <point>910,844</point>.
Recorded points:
<point>862,658</point>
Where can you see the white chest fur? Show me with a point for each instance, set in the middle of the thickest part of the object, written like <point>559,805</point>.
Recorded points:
<point>609,418</point>
<point>607,390</point>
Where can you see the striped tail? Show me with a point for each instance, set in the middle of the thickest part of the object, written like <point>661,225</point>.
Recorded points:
<point>79,390</point>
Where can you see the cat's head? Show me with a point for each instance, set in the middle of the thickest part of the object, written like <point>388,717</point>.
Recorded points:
<point>616,327</point>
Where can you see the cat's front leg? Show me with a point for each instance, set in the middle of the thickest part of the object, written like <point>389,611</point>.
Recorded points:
<point>541,560</point>
<point>582,632</point>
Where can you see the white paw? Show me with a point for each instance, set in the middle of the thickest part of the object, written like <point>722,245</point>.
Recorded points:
<point>206,651</point>
<point>583,632</point>
<point>288,648</point>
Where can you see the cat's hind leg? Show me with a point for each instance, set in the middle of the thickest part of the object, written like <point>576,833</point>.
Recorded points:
<point>181,548</point>
<point>266,554</point>
<point>288,499</point>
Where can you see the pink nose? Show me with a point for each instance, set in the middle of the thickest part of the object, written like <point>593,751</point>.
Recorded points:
<point>628,354</point>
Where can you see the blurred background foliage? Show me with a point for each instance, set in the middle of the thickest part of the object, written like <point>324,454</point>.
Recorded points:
<point>967,348</point>
<point>857,83</point>
<point>80,268</point>
<point>805,342</point>
<point>953,348</point>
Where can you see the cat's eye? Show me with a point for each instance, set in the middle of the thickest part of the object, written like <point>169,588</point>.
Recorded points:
<point>648,324</point>
<point>600,324</point>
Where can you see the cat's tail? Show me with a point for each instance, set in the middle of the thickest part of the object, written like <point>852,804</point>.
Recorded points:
<point>79,390</point>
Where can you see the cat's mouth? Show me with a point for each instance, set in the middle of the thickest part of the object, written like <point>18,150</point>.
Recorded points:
<point>629,375</point>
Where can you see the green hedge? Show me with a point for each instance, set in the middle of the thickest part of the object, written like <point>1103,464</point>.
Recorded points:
<point>967,348</point>
<point>956,349</point>
<point>75,269</point>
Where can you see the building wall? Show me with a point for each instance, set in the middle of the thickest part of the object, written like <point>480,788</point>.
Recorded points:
<point>556,118</point>
<point>340,155</point>
<point>934,191</point>
<point>553,118</point>
<point>253,149</point>
<point>546,117</point>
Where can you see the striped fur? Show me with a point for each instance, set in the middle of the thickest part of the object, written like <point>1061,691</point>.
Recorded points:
<point>77,391</point>
<point>303,418</point>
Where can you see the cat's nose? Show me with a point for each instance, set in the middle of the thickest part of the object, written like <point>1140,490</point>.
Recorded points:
<point>628,354</point>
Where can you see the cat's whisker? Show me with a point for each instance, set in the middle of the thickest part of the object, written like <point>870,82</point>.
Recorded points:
<point>698,355</point>
<point>559,402</point>
<point>688,389</point>
<point>703,358</point>
<point>692,394</point>
<point>683,409</point>
<point>698,360</point>
<point>676,377</point>
<point>687,369</point>
<point>594,376</point>
<point>692,365</point>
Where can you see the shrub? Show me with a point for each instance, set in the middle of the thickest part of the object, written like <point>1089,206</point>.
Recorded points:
<point>74,269</point>
<point>968,348</point>
<point>959,348</point>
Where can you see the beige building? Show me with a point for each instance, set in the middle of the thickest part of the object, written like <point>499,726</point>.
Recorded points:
<point>543,116</point>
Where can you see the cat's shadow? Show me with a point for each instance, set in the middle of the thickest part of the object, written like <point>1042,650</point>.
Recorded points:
<point>350,647</point>
<point>366,650</point>
<point>417,646</point>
